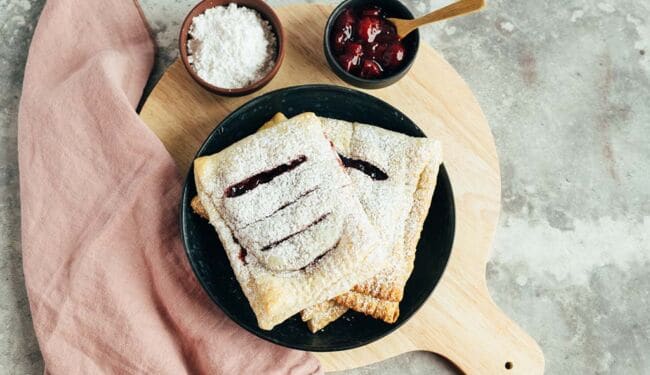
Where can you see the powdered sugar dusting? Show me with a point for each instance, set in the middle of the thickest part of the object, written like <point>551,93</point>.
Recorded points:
<point>409,162</point>
<point>283,270</point>
<point>273,286</point>
<point>321,206</point>
<point>231,47</point>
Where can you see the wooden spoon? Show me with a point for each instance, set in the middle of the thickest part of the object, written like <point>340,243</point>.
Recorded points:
<point>404,27</point>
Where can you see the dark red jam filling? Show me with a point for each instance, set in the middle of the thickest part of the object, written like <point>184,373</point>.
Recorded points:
<point>365,167</point>
<point>366,44</point>
<point>262,178</point>
<point>242,255</point>
<point>242,251</point>
<point>321,256</point>
<point>306,193</point>
<point>276,243</point>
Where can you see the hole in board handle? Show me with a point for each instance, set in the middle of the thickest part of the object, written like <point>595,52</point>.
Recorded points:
<point>508,365</point>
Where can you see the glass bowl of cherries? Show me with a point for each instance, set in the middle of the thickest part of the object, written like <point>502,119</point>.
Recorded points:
<point>362,47</point>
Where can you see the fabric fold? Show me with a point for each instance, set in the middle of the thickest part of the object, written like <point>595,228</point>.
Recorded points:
<point>109,286</point>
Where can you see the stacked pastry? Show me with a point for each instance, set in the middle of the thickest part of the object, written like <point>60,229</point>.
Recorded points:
<point>341,227</point>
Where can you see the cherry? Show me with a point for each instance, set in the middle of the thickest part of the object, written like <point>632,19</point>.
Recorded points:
<point>354,48</point>
<point>370,69</point>
<point>348,61</point>
<point>388,32</point>
<point>365,43</point>
<point>346,19</point>
<point>393,56</point>
<point>340,39</point>
<point>375,50</point>
<point>368,28</point>
<point>371,10</point>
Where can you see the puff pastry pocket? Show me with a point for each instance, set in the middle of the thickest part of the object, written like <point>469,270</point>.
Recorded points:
<point>290,222</point>
<point>413,165</point>
<point>395,177</point>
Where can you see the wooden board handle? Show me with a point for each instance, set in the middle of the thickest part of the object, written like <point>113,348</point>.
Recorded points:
<point>476,335</point>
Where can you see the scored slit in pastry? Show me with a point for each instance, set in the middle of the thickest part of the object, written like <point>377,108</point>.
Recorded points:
<point>288,217</point>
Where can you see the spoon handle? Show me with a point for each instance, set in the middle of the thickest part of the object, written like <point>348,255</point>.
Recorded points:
<point>452,10</point>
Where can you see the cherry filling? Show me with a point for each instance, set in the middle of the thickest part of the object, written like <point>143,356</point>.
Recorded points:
<point>242,251</point>
<point>276,243</point>
<point>306,193</point>
<point>242,255</point>
<point>374,172</point>
<point>321,256</point>
<point>262,177</point>
<point>366,44</point>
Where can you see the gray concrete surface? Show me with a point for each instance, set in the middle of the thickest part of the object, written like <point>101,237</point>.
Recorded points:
<point>565,86</point>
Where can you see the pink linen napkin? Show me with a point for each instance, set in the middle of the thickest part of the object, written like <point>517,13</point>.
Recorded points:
<point>109,286</point>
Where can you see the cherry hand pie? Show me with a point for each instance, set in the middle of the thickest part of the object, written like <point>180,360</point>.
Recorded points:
<point>289,218</point>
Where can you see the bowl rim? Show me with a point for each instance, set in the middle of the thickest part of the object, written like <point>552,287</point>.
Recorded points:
<point>185,197</point>
<point>265,11</point>
<point>396,75</point>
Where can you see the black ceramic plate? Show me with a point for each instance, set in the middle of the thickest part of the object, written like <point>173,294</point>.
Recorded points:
<point>209,260</point>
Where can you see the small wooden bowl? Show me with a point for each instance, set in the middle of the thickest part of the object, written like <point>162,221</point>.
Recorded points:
<point>266,12</point>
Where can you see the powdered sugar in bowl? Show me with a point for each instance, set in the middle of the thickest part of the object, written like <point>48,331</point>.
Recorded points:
<point>232,48</point>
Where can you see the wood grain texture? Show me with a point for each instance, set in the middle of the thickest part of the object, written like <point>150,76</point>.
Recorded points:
<point>459,321</point>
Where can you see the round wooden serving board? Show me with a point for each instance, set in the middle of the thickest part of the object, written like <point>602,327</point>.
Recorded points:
<point>459,321</point>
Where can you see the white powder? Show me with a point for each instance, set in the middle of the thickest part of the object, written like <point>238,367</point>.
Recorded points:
<point>231,47</point>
